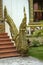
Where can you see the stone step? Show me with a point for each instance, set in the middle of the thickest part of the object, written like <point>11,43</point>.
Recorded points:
<point>4,36</point>
<point>3,33</point>
<point>6,46</point>
<point>5,43</point>
<point>5,40</point>
<point>8,50</point>
<point>11,54</point>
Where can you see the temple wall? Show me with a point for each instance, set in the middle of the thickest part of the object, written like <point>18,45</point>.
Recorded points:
<point>15,10</point>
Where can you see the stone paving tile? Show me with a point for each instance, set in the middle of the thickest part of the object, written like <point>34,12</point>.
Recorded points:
<point>20,61</point>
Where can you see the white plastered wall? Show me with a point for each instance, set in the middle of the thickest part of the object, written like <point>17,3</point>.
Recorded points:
<point>7,29</point>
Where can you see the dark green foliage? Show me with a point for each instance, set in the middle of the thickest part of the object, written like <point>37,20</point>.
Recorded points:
<point>41,44</point>
<point>38,33</point>
<point>35,43</point>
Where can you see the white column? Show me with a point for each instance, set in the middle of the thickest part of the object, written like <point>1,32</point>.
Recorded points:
<point>29,31</point>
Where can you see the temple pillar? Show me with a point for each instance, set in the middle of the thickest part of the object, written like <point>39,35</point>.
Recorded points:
<point>2,23</point>
<point>31,10</point>
<point>1,10</point>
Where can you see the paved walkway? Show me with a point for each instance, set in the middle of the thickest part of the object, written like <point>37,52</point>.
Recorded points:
<point>20,61</point>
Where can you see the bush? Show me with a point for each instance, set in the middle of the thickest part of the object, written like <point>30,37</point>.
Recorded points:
<point>37,33</point>
<point>41,44</point>
<point>35,43</point>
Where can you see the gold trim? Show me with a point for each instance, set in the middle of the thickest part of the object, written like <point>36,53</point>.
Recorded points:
<point>34,25</point>
<point>38,10</point>
<point>31,19</point>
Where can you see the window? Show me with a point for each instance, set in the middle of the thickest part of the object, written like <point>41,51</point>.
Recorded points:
<point>38,10</point>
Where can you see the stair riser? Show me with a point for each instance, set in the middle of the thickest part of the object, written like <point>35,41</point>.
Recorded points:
<point>6,43</point>
<point>4,36</point>
<point>11,54</point>
<point>8,51</point>
<point>7,48</point>
<point>3,33</point>
<point>5,40</point>
<point>1,42</point>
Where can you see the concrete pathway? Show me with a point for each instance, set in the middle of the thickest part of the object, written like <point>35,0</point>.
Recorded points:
<point>20,61</point>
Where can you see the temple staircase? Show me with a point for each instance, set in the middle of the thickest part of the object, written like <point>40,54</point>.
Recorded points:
<point>7,47</point>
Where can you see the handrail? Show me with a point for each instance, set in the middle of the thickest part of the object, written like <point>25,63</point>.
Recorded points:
<point>20,38</point>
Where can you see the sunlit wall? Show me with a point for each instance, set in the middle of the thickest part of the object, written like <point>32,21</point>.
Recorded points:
<point>15,10</point>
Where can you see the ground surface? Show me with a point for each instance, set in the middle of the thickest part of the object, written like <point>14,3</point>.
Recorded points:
<point>20,61</point>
